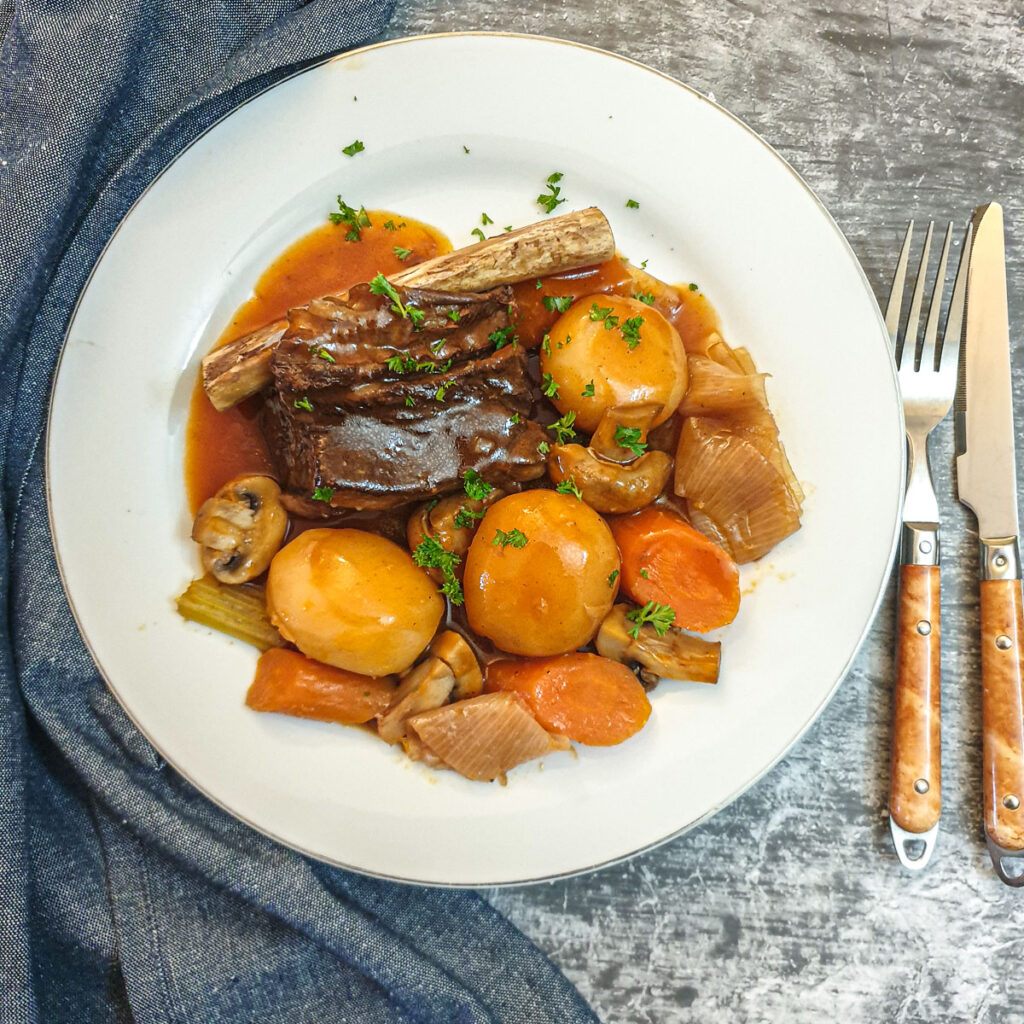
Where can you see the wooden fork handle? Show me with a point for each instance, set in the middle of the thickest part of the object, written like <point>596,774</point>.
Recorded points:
<point>915,794</point>
<point>1002,704</point>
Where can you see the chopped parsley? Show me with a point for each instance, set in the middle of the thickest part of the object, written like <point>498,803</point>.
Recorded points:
<point>304,403</point>
<point>454,315</point>
<point>465,149</point>
<point>660,616</point>
<point>389,225</point>
<point>647,298</point>
<point>515,418</point>
<point>629,437</point>
<point>479,234</point>
<point>558,303</point>
<point>539,284</point>
<point>568,486</point>
<point>545,344</point>
<point>431,554</point>
<point>515,537</point>
<point>380,285</point>
<point>417,316</point>
<point>643,266</point>
<point>401,252</point>
<point>484,219</point>
<point>643,572</point>
<point>406,364</point>
<point>612,577</point>
<point>441,389</point>
<point>352,218</point>
<point>323,494</point>
<point>543,448</point>
<point>322,353</point>
<point>503,336</point>
<point>549,200</point>
<point>475,486</point>
<point>563,428</point>
<point>588,391</point>
<point>631,330</point>
<point>353,148</point>
<point>604,313</point>
<point>465,518</point>
<point>408,401</point>
<point>693,287</point>
<point>632,204</point>
<point>548,386</point>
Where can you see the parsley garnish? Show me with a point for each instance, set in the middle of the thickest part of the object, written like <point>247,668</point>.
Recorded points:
<point>660,616</point>
<point>322,353</point>
<point>323,494</point>
<point>599,313</point>
<point>693,287</point>
<point>543,448</point>
<point>558,303</point>
<point>643,572</point>
<point>508,227</point>
<point>588,391</point>
<point>380,285</point>
<point>515,418</point>
<point>406,364</point>
<point>355,147</point>
<point>479,234</point>
<point>563,428</point>
<point>545,344</point>
<point>550,200</point>
<point>548,386</point>
<point>538,285</point>
<point>568,486</point>
<point>417,316</point>
<point>645,297</point>
<point>454,315</point>
<point>515,537</point>
<point>475,486</point>
<point>466,517</point>
<point>465,149</point>
<point>629,437</point>
<point>484,219</point>
<point>353,218</point>
<point>632,204</point>
<point>612,577</point>
<point>408,401</point>
<point>389,225</point>
<point>643,266</point>
<point>430,554</point>
<point>503,336</point>
<point>401,252</point>
<point>631,330</point>
<point>304,403</point>
<point>441,389</point>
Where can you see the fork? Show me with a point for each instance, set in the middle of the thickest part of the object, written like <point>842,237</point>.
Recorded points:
<point>927,371</point>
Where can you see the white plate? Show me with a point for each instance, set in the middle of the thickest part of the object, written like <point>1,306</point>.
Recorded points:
<point>717,206</point>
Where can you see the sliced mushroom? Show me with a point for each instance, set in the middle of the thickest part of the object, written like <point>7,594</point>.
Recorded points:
<point>639,416</point>
<point>455,652</point>
<point>610,486</point>
<point>423,688</point>
<point>676,655</point>
<point>437,520</point>
<point>241,528</point>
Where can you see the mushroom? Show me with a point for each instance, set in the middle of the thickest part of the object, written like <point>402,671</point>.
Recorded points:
<point>240,528</point>
<point>639,416</point>
<point>676,655</point>
<point>437,519</point>
<point>455,652</point>
<point>424,687</point>
<point>610,486</point>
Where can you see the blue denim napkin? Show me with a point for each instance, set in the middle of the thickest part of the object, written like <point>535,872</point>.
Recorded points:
<point>124,894</point>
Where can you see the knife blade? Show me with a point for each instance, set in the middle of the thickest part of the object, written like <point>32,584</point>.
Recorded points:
<point>987,484</point>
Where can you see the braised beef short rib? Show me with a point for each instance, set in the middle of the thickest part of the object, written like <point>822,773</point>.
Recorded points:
<point>371,408</point>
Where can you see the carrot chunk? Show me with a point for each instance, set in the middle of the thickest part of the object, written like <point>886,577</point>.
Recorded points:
<point>293,684</point>
<point>667,561</point>
<point>583,697</point>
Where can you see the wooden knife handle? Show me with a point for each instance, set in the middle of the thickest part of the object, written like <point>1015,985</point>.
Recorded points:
<point>1002,688</point>
<point>915,795</point>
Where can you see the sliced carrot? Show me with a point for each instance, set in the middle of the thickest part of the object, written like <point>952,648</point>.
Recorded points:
<point>666,560</point>
<point>583,697</point>
<point>293,684</point>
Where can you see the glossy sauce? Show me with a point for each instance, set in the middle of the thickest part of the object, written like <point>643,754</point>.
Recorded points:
<point>222,445</point>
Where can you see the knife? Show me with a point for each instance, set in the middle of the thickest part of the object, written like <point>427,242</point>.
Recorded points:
<point>986,483</point>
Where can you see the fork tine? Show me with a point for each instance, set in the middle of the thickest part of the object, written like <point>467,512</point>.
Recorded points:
<point>931,327</point>
<point>955,316</point>
<point>892,310</point>
<point>914,318</point>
